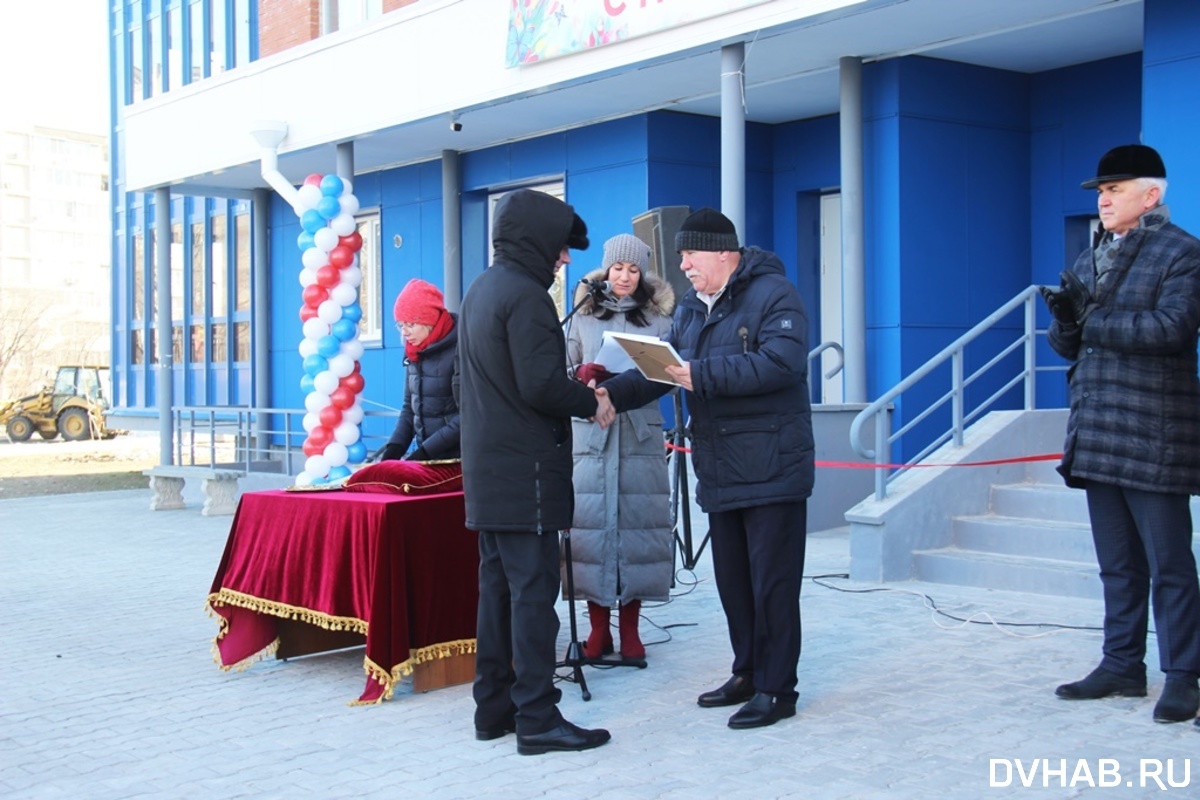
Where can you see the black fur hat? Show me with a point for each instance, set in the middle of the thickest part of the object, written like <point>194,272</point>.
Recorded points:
<point>1125,163</point>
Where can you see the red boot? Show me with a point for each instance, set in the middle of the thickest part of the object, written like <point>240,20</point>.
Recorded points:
<point>600,641</point>
<point>631,644</point>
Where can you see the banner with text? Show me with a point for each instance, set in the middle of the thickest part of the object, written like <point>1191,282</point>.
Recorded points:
<point>542,29</point>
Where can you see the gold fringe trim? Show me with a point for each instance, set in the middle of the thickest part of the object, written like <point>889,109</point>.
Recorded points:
<point>416,657</point>
<point>222,629</point>
<point>261,606</point>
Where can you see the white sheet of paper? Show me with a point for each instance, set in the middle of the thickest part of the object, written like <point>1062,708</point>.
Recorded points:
<point>612,356</point>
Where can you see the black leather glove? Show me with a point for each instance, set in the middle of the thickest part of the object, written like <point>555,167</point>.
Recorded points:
<point>417,455</point>
<point>392,452</point>
<point>1082,302</point>
<point>1059,304</point>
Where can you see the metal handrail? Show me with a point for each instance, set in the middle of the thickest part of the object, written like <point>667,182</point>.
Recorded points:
<point>260,434</point>
<point>877,412</point>
<point>821,348</point>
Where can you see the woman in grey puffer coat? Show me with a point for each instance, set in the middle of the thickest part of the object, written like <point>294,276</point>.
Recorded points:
<point>621,536</point>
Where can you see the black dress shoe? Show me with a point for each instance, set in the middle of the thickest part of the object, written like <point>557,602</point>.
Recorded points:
<point>496,731</point>
<point>566,736</point>
<point>1102,683</point>
<point>1179,702</point>
<point>761,711</point>
<point>737,689</point>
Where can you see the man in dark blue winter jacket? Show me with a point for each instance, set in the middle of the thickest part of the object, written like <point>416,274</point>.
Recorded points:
<point>742,332</point>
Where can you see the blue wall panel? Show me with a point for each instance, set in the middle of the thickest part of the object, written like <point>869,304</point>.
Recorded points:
<point>1171,111</point>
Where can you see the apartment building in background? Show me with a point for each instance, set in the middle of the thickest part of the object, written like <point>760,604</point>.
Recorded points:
<point>55,278</point>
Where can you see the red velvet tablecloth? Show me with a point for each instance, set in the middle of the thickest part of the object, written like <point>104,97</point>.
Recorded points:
<point>402,570</point>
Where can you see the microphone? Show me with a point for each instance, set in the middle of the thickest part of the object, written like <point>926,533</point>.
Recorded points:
<point>597,286</point>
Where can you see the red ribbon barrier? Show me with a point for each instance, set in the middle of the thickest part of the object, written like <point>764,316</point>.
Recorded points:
<point>861,465</point>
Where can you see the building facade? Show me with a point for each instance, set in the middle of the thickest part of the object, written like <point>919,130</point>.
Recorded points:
<point>970,144</point>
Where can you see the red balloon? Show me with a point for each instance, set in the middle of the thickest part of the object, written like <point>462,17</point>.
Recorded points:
<point>357,367</point>
<point>307,313</point>
<point>341,257</point>
<point>341,397</point>
<point>328,276</point>
<point>313,180</point>
<point>320,436</point>
<point>354,382</point>
<point>353,241</point>
<point>315,294</point>
<point>310,448</point>
<point>330,416</point>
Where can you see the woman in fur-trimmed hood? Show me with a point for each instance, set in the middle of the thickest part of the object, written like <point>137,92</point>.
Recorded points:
<point>621,536</point>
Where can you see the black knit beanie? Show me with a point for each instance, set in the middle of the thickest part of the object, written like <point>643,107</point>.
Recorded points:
<point>706,229</point>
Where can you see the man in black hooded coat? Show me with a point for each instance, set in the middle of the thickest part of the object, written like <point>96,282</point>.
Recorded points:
<point>516,402</point>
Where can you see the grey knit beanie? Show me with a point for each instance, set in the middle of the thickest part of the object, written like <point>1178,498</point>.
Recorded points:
<point>627,249</point>
<point>706,229</point>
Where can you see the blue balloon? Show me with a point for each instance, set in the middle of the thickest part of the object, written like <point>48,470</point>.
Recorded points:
<point>329,207</point>
<point>328,346</point>
<point>356,453</point>
<point>352,312</point>
<point>320,481</point>
<point>337,473</point>
<point>314,364</point>
<point>312,221</point>
<point>305,241</point>
<point>344,329</point>
<point>306,384</point>
<point>331,186</point>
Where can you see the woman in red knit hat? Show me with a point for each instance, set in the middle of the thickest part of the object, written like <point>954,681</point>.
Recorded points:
<point>429,418</point>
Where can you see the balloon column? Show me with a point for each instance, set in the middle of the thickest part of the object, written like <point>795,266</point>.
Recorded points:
<point>329,245</point>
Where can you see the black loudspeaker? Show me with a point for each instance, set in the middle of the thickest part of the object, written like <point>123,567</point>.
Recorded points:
<point>657,228</point>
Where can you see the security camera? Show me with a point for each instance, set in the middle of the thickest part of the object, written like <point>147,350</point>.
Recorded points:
<point>455,125</point>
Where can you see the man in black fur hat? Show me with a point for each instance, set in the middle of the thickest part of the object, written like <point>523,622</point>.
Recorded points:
<point>1126,315</point>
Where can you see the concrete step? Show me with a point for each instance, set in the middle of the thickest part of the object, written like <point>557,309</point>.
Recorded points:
<point>1040,501</point>
<point>1018,536</point>
<point>960,567</point>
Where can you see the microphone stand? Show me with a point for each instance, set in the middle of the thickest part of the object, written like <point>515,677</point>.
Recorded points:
<point>575,659</point>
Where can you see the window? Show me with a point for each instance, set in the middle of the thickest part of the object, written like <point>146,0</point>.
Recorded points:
<point>559,290</point>
<point>243,31</point>
<point>139,277</point>
<point>241,263</point>
<point>241,342</point>
<point>175,75</point>
<point>155,52</point>
<point>199,54</point>
<point>337,15</point>
<point>219,38</point>
<point>176,272</point>
<point>370,327</point>
<point>220,264</point>
<point>136,60</point>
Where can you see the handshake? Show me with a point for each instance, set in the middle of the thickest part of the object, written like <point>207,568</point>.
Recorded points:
<point>1072,303</point>
<point>591,374</point>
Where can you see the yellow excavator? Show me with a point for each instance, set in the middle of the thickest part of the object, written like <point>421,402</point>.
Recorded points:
<point>73,407</point>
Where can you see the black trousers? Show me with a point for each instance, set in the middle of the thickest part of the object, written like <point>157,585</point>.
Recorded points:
<point>758,560</point>
<point>1144,547</point>
<point>517,631</point>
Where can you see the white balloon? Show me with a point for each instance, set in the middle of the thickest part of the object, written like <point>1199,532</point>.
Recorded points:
<point>315,328</point>
<point>341,365</point>
<point>304,479</point>
<point>349,204</point>
<point>353,348</point>
<point>317,465</point>
<point>313,258</point>
<point>353,414</point>
<point>308,277</point>
<point>307,347</point>
<point>330,311</point>
<point>325,381</point>
<point>325,239</point>
<point>343,294</point>
<point>352,276</point>
<point>309,195</point>
<point>343,224</point>
<point>310,421</point>
<point>335,453</point>
<point>346,432</point>
<point>315,401</point>
<point>347,186</point>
